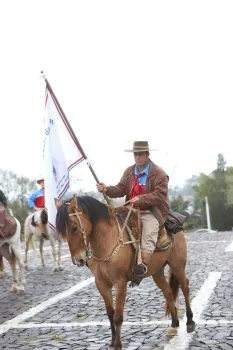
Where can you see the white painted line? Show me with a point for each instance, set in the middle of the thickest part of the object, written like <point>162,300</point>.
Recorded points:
<point>200,242</point>
<point>63,256</point>
<point>214,322</point>
<point>229,248</point>
<point>42,306</point>
<point>45,248</point>
<point>88,324</point>
<point>106,323</point>
<point>66,256</point>
<point>182,340</point>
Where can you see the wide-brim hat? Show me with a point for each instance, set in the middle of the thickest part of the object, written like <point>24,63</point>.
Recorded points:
<point>140,146</point>
<point>39,181</point>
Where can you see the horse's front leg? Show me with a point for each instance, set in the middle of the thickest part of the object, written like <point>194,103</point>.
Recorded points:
<point>52,243</point>
<point>27,240</point>
<point>14,287</point>
<point>41,252</point>
<point>121,289</point>
<point>1,266</point>
<point>105,290</point>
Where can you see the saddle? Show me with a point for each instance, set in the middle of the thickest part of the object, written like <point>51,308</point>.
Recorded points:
<point>8,224</point>
<point>133,228</point>
<point>172,225</point>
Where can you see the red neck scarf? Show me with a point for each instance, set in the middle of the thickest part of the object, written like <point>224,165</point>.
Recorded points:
<point>135,189</point>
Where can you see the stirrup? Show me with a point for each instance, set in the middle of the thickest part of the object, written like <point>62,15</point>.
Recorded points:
<point>140,270</point>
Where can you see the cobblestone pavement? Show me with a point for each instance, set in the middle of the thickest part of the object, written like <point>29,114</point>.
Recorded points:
<point>78,320</point>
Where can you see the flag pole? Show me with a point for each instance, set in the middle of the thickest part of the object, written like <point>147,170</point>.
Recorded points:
<point>74,136</point>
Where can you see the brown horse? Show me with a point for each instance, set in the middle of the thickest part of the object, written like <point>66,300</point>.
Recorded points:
<point>93,235</point>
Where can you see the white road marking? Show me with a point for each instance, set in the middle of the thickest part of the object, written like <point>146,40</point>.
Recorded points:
<point>182,340</point>
<point>214,322</point>
<point>87,324</point>
<point>45,248</point>
<point>229,248</point>
<point>13,323</point>
<point>106,323</point>
<point>66,256</point>
<point>200,242</point>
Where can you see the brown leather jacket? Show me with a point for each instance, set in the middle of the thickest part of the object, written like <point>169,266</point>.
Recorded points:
<point>7,223</point>
<point>156,198</point>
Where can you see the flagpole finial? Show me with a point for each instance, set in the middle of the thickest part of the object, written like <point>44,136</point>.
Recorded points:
<point>43,75</point>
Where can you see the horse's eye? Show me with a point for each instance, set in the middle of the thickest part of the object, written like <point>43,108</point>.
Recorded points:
<point>74,229</point>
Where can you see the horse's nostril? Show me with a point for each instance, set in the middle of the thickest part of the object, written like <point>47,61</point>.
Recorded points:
<point>82,262</point>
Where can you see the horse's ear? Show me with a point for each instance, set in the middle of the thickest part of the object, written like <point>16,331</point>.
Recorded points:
<point>57,203</point>
<point>74,203</point>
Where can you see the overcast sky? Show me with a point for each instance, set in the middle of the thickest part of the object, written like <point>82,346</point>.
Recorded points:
<point>160,71</point>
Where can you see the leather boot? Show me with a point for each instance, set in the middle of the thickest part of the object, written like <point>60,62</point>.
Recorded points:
<point>140,270</point>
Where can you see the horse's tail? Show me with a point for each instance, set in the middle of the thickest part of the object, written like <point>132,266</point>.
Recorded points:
<point>13,260</point>
<point>174,284</point>
<point>32,244</point>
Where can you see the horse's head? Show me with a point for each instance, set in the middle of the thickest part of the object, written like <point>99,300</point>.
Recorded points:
<point>75,227</point>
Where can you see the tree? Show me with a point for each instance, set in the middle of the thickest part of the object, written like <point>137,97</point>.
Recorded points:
<point>179,205</point>
<point>218,187</point>
<point>17,189</point>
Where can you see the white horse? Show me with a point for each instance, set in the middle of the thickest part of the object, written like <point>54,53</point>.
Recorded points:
<point>10,249</point>
<point>30,231</point>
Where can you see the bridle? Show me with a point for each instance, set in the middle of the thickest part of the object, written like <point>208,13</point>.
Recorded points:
<point>120,243</point>
<point>83,232</point>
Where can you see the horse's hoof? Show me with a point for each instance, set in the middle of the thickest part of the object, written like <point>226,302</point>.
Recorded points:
<point>55,269</point>
<point>61,268</point>
<point>44,266</point>
<point>172,331</point>
<point>191,327</point>
<point>14,289</point>
<point>21,292</point>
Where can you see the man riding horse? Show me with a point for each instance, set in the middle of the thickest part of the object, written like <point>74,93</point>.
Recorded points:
<point>145,185</point>
<point>37,201</point>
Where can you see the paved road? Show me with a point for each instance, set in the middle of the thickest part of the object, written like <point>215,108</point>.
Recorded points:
<point>76,319</point>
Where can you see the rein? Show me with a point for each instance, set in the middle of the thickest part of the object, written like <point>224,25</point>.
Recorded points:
<point>120,244</point>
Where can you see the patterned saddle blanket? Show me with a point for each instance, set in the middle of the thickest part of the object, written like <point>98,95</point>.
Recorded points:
<point>134,226</point>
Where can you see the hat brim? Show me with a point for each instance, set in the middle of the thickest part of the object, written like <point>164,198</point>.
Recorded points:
<point>39,181</point>
<point>137,151</point>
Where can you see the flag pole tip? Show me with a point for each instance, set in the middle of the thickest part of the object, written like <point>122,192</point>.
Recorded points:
<point>43,74</point>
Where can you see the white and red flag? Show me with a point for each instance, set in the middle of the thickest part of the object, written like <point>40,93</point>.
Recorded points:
<point>61,153</point>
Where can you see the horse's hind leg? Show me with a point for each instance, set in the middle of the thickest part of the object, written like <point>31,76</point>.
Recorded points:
<point>16,253</point>
<point>179,276</point>
<point>105,290</point>
<point>162,283</point>
<point>41,252</point>
<point>1,266</point>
